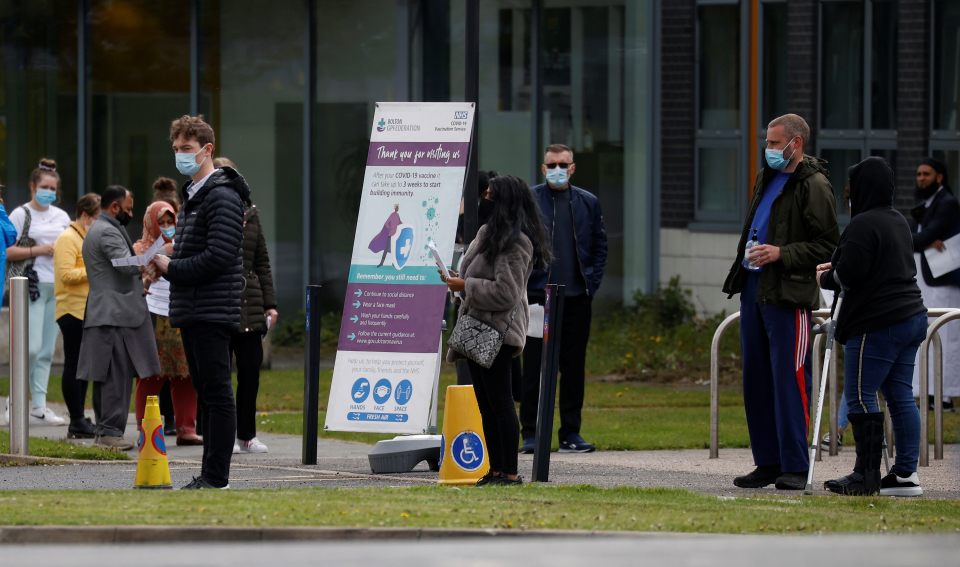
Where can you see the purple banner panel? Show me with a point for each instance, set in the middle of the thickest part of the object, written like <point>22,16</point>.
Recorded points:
<point>418,154</point>
<point>392,317</point>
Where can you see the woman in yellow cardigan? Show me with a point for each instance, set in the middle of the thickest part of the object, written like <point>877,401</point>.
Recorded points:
<point>70,287</point>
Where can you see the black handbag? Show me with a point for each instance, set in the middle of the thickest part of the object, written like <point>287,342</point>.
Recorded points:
<point>24,268</point>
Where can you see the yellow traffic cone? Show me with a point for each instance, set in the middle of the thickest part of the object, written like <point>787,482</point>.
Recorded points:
<point>463,450</point>
<point>153,471</point>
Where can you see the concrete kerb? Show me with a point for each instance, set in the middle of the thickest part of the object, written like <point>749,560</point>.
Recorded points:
<point>158,534</point>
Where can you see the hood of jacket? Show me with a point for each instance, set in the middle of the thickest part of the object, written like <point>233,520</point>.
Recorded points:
<point>871,185</point>
<point>223,177</point>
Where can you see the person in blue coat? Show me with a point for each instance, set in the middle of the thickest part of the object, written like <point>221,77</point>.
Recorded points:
<point>9,234</point>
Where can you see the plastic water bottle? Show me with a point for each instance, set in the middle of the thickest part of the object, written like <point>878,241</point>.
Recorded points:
<point>746,253</point>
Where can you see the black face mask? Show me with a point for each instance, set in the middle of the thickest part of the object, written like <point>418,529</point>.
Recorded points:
<point>123,218</point>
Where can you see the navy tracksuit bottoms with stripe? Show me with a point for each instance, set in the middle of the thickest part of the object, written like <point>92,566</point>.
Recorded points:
<point>776,379</point>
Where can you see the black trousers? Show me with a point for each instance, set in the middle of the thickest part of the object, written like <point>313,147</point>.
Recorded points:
<point>74,391</point>
<point>575,333</point>
<point>495,398</point>
<point>207,346</point>
<point>248,348</point>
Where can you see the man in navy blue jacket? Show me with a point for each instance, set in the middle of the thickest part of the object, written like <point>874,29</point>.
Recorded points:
<point>573,220</point>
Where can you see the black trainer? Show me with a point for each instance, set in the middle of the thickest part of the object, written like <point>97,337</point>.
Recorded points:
<point>487,479</point>
<point>896,485</point>
<point>575,444</point>
<point>792,481</point>
<point>760,477</point>
<point>529,444</point>
<point>81,428</point>
<point>199,483</point>
<point>504,480</point>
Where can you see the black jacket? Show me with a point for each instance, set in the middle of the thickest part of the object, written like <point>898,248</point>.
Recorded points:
<point>205,271</point>
<point>589,232</point>
<point>258,294</point>
<point>939,221</point>
<point>874,261</point>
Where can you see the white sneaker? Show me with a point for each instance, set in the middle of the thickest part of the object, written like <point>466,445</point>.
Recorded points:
<point>236,448</point>
<point>253,446</point>
<point>45,416</point>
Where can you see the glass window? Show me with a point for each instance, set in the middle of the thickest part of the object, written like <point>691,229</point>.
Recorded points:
<point>253,77</point>
<point>950,158</point>
<point>719,60</point>
<point>140,82</point>
<point>946,57</point>
<point>838,161</point>
<point>842,50</point>
<point>717,180</point>
<point>774,54</point>
<point>38,96</point>
<point>883,66</point>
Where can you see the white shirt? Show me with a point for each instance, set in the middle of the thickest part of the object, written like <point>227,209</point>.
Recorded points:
<point>45,227</point>
<point>192,190</point>
<point>927,204</point>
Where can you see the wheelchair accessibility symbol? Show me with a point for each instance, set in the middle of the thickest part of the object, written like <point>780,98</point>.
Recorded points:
<point>467,451</point>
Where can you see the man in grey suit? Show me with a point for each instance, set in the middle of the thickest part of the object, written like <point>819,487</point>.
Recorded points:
<point>118,340</point>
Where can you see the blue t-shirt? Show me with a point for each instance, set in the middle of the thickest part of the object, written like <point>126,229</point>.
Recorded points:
<point>761,219</point>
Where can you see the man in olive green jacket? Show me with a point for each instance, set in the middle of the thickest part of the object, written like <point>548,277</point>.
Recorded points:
<point>793,215</point>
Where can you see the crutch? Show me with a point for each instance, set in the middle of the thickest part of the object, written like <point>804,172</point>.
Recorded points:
<point>829,327</point>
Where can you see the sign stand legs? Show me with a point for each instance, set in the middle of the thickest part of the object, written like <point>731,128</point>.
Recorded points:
<point>552,318</point>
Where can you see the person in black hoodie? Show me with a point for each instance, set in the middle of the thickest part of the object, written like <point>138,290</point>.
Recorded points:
<point>935,219</point>
<point>206,282</point>
<point>881,323</point>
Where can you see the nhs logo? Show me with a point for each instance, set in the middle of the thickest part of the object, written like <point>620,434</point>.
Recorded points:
<point>460,115</point>
<point>402,245</point>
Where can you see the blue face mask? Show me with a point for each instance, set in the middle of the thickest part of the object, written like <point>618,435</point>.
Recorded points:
<point>187,163</point>
<point>46,197</point>
<point>775,158</point>
<point>169,232</point>
<point>557,177</point>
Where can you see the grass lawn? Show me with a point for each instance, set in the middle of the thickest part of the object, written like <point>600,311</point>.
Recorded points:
<point>531,506</point>
<point>63,449</point>
<point>616,415</point>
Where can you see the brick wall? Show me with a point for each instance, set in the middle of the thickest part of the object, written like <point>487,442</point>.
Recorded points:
<point>913,95</point>
<point>677,113</point>
<point>802,48</point>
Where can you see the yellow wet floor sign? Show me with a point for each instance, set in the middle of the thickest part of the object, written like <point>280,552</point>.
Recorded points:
<point>463,450</point>
<point>153,471</point>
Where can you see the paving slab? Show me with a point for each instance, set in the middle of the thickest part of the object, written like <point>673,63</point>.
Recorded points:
<point>345,464</point>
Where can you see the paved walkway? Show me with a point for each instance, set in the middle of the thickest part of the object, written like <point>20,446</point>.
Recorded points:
<point>345,464</point>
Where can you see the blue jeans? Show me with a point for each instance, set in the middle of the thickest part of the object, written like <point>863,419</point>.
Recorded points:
<point>883,360</point>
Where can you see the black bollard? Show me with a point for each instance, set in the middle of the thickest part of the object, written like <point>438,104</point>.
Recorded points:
<point>311,376</point>
<point>549,363</point>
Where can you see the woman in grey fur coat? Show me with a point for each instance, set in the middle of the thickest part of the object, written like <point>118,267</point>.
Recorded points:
<point>495,271</point>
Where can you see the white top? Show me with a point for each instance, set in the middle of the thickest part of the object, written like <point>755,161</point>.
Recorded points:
<point>45,227</point>
<point>192,190</point>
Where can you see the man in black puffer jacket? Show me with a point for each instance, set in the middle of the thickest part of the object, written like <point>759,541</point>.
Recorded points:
<point>205,287</point>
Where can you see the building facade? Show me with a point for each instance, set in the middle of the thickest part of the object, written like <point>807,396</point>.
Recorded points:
<point>664,102</point>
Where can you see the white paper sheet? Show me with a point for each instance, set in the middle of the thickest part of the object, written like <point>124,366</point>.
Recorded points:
<point>158,300</point>
<point>535,329</point>
<point>436,258</point>
<point>827,295</point>
<point>944,262</point>
<point>142,259</point>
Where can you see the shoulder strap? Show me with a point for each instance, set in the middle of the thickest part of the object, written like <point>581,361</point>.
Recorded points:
<point>77,231</point>
<point>26,223</point>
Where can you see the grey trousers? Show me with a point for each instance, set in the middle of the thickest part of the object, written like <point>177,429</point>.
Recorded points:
<point>111,398</point>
